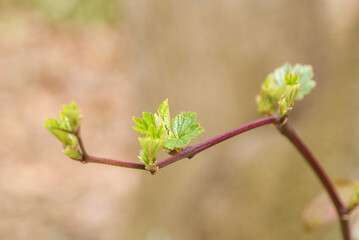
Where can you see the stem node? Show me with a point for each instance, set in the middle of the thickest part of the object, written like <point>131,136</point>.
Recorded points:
<point>154,171</point>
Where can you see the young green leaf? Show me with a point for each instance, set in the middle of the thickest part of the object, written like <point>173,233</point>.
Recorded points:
<point>66,128</point>
<point>157,133</point>
<point>290,79</point>
<point>70,117</point>
<point>282,87</point>
<point>53,126</point>
<point>305,79</point>
<point>73,153</point>
<point>147,126</point>
<point>60,133</point>
<point>278,76</point>
<point>150,147</point>
<point>143,125</point>
<point>153,128</point>
<point>163,117</point>
<point>267,100</point>
<point>184,129</point>
<point>291,90</point>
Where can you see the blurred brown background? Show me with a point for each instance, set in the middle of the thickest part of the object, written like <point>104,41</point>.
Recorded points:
<point>119,58</point>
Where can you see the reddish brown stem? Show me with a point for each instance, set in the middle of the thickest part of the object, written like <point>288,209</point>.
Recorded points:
<point>189,152</point>
<point>118,163</point>
<point>341,209</point>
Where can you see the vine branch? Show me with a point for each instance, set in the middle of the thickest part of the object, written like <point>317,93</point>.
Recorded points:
<point>191,151</point>
<point>188,152</point>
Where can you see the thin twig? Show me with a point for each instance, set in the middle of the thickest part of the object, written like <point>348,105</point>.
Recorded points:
<point>85,156</point>
<point>189,152</point>
<point>93,159</point>
<point>341,209</point>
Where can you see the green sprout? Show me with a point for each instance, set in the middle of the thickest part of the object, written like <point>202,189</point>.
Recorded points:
<point>158,133</point>
<point>282,87</point>
<point>66,129</point>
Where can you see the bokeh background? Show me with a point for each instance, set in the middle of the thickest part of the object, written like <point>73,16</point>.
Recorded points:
<point>117,58</point>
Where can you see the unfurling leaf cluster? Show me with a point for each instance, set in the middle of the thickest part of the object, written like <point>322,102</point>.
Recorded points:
<point>158,132</point>
<point>282,87</point>
<point>66,129</point>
